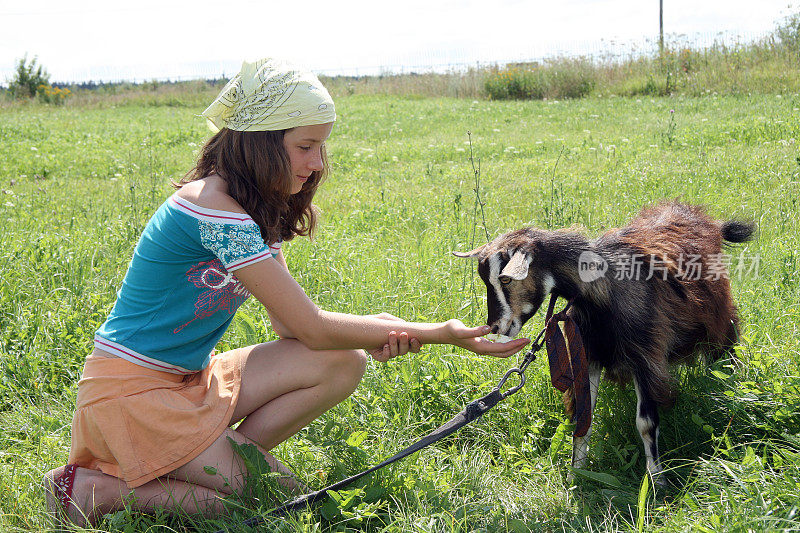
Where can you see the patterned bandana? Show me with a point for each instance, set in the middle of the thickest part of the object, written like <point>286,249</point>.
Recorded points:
<point>270,95</point>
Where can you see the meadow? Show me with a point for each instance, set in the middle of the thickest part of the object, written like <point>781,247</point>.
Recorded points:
<point>78,183</point>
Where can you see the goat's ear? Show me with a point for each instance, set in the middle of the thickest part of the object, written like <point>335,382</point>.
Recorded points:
<point>517,266</point>
<point>473,254</point>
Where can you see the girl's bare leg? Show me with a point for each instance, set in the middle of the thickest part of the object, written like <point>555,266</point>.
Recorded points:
<point>190,488</point>
<point>95,494</point>
<point>284,387</point>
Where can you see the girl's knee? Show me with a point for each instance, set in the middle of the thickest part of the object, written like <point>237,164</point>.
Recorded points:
<point>340,371</point>
<point>346,365</point>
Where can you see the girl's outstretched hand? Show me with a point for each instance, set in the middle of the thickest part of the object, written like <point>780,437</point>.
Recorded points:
<point>472,339</point>
<point>396,344</point>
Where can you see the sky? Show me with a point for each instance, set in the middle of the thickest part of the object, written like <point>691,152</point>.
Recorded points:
<point>107,40</point>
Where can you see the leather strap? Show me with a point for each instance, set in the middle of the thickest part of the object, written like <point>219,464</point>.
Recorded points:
<point>564,372</point>
<point>569,366</point>
<point>473,410</point>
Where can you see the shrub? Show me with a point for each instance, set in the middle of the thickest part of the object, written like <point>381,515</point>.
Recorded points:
<point>515,83</point>
<point>788,33</point>
<point>28,78</point>
<point>560,78</point>
<point>645,87</point>
<point>572,78</point>
<point>52,95</point>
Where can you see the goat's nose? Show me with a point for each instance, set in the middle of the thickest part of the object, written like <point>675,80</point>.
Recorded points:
<point>495,329</point>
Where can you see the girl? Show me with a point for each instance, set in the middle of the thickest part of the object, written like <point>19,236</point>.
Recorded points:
<point>155,406</point>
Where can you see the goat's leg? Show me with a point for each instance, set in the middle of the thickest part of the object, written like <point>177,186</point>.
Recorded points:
<point>580,445</point>
<point>647,423</point>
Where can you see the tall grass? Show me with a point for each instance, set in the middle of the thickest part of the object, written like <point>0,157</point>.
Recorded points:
<point>563,78</point>
<point>766,66</point>
<point>77,184</point>
<point>717,126</point>
<point>769,65</point>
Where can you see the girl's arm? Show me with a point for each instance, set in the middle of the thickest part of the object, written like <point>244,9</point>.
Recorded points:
<point>277,326</point>
<point>285,300</point>
<point>396,344</point>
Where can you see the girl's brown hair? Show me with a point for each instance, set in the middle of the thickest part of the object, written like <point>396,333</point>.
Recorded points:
<point>256,168</point>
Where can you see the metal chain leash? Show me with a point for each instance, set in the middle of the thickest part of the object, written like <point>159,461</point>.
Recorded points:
<point>529,358</point>
<point>474,410</point>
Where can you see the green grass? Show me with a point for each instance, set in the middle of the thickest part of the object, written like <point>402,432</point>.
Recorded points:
<point>77,185</point>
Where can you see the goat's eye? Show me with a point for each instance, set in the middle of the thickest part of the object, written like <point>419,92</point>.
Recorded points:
<point>505,280</point>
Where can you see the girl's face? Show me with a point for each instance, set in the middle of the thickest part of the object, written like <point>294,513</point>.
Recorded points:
<point>304,146</point>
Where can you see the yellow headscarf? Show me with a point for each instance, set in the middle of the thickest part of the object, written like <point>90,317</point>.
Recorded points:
<point>270,95</point>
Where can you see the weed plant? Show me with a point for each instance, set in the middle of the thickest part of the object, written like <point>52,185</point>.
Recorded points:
<point>767,65</point>
<point>561,78</point>
<point>77,185</point>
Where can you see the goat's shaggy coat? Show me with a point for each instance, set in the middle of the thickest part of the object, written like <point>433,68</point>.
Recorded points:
<point>646,295</point>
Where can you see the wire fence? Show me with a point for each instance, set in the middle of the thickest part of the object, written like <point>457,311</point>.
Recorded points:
<point>436,61</point>
<point>598,51</point>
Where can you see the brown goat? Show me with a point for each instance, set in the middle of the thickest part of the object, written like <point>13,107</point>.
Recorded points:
<point>646,295</point>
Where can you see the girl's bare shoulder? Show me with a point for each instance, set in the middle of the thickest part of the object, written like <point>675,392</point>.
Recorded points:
<point>210,192</point>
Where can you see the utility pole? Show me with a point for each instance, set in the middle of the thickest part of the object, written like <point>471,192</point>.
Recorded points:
<point>661,27</point>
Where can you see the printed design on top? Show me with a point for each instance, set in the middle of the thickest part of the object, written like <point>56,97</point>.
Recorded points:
<point>223,291</point>
<point>230,242</point>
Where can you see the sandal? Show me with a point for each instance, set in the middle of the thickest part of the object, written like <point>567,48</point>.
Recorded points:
<point>58,496</point>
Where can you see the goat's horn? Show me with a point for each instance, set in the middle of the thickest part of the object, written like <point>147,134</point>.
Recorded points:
<point>472,254</point>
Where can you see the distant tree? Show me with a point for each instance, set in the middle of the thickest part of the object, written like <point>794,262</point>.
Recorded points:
<point>29,76</point>
<point>788,32</point>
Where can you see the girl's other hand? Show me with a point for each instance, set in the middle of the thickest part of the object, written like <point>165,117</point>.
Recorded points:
<point>397,344</point>
<point>472,339</point>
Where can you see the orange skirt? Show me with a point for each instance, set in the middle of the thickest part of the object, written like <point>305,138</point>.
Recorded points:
<point>137,424</point>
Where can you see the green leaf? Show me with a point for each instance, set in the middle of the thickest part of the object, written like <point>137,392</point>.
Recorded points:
<point>559,438</point>
<point>335,496</point>
<point>599,477</point>
<point>516,525</point>
<point>629,464</point>
<point>644,489</point>
<point>254,461</point>
<point>373,494</point>
<point>248,325</point>
<point>210,470</point>
<point>328,427</point>
<point>750,457</point>
<point>330,511</point>
<point>720,375</point>
<point>350,497</point>
<point>356,438</point>
<point>405,373</point>
<point>690,502</point>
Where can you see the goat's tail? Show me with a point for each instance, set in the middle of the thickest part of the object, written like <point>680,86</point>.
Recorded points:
<point>737,231</point>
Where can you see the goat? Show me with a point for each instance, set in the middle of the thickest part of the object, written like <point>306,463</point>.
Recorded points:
<point>644,296</point>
